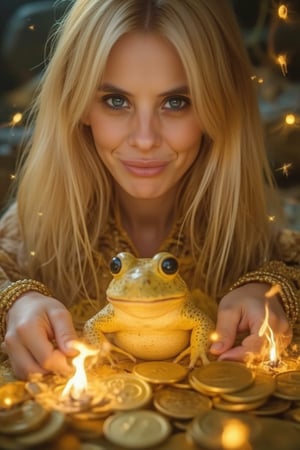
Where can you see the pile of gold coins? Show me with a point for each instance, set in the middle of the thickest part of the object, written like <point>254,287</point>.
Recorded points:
<point>157,405</point>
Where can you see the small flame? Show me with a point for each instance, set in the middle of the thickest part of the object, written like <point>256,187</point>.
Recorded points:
<point>78,383</point>
<point>266,331</point>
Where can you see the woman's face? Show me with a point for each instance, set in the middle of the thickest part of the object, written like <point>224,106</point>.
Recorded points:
<point>143,123</point>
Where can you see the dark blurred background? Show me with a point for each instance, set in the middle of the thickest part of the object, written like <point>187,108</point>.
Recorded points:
<point>271,31</point>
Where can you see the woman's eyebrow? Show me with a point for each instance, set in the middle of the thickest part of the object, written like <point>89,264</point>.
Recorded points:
<point>108,87</point>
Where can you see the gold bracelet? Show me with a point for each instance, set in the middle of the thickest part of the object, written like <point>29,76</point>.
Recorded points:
<point>11,293</point>
<point>287,278</point>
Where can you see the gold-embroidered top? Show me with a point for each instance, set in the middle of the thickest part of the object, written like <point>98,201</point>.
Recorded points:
<point>116,240</point>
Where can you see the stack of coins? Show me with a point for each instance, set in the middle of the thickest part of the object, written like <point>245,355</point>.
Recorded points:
<point>30,426</point>
<point>163,405</point>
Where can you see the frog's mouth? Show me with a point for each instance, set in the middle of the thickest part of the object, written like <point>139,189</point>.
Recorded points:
<point>145,301</point>
<point>148,307</point>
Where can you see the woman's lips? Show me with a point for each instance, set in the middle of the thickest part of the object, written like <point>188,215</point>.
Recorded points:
<point>143,168</point>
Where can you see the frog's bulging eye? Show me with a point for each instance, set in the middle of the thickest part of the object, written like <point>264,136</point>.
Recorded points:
<point>169,265</point>
<point>115,265</point>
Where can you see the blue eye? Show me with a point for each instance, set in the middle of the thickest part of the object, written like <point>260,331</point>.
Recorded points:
<point>176,103</point>
<point>116,101</point>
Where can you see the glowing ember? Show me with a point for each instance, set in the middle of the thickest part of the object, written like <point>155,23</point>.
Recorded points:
<point>77,386</point>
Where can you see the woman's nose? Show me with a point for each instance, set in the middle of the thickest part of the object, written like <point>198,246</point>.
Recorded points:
<point>145,131</point>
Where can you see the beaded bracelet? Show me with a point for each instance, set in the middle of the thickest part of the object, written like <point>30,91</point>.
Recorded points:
<point>11,293</point>
<point>277,273</point>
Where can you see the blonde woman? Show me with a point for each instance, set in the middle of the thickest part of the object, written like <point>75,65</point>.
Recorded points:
<point>146,138</point>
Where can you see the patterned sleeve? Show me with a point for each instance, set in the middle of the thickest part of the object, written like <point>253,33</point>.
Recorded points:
<point>289,244</point>
<point>10,244</point>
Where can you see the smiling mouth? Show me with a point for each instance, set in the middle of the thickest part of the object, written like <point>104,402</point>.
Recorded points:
<point>145,168</point>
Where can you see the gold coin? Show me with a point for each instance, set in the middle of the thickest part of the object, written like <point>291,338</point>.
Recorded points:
<point>161,372</point>
<point>126,391</point>
<point>198,387</point>
<point>12,394</point>
<point>263,387</point>
<point>137,429</point>
<point>224,405</point>
<point>8,443</point>
<point>31,416</point>
<point>293,414</point>
<point>208,429</point>
<point>180,403</point>
<point>50,429</point>
<point>223,376</point>
<point>273,407</point>
<point>288,385</point>
<point>276,434</point>
<point>178,441</point>
<point>86,428</point>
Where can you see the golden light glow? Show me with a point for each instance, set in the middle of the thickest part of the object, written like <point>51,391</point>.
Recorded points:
<point>235,435</point>
<point>271,218</point>
<point>7,401</point>
<point>259,80</point>
<point>267,332</point>
<point>214,336</point>
<point>32,253</point>
<point>290,119</point>
<point>285,168</point>
<point>31,27</point>
<point>78,383</point>
<point>282,12</point>
<point>16,118</point>
<point>274,290</point>
<point>282,61</point>
<point>12,176</point>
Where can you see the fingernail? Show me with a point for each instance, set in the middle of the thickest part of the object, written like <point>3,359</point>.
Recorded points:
<point>217,346</point>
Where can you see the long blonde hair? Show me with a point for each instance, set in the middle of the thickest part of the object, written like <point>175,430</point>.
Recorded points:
<point>65,192</point>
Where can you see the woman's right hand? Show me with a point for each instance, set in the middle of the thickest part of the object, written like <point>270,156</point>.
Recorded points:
<point>38,331</point>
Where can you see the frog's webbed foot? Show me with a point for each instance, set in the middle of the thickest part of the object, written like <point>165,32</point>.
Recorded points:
<point>113,360</point>
<point>194,357</point>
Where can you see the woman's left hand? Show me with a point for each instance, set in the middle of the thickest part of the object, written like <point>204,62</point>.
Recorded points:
<point>243,310</point>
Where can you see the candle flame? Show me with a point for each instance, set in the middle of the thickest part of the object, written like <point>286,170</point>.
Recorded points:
<point>78,383</point>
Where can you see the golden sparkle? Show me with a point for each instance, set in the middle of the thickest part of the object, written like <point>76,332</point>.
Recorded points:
<point>282,12</point>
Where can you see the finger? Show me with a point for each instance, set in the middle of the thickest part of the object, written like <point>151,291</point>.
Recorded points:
<point>38,344</point>
<point>234,354</point>
<point>63,330</point>
<point>251,344</point>
<point>226,328</point>
<point>22,361</point>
